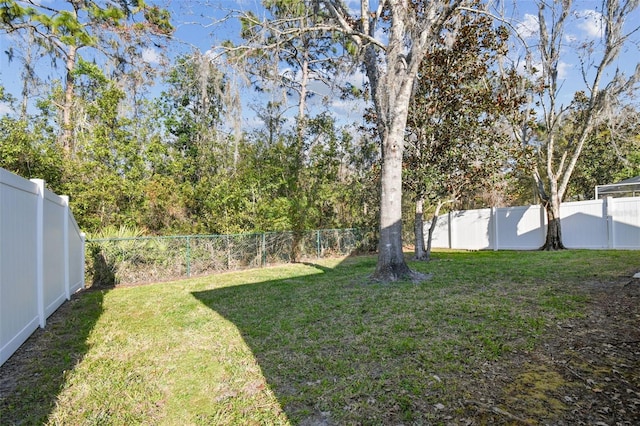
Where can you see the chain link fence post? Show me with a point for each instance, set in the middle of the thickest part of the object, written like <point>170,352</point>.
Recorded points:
<point>188,254</point>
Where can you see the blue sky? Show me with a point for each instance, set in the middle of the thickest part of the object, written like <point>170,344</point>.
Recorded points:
<point>201,25</point>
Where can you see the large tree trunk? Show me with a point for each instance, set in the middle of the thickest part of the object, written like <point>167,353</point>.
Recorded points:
<point>554,230</point>
<point>391,264</point>
<point>391,89</point>
<point>391,68</point>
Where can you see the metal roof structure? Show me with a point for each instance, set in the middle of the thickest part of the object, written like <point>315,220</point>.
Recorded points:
<point>625,188</point>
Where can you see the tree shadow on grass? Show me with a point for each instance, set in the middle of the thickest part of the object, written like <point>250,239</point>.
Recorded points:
<point>33,377</point>
<point>323,348</point>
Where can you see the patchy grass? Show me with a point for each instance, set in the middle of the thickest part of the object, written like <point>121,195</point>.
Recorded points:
<point>304,344</point>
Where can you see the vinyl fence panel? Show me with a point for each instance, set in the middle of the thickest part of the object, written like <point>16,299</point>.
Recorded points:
<point>595,224</point>
<point>584,224</point>
<point>54,261</point>
<point>475,228</point>
<point>625,223</point>
<point>76,254</point>
<point>441,236</point>
<point>520,228</point>
<point>18,276</point>
<point>41,258</point>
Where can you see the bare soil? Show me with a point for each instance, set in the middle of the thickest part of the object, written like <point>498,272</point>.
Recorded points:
<point>585,371</point>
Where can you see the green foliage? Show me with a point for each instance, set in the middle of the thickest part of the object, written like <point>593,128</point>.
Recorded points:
<point>454,149</point>
<point>611,154</point>
<point>104,179</point>
<point>163,165</point>
<point>30,151</point>
<point>11,11</point>
<point>164,206</point>
<point>105,257</point>
<point>91,70</point>
<point>191,109</point>
<point>159,19</point>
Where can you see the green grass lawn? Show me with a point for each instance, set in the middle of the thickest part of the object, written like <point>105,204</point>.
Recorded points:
<point>304,343</point>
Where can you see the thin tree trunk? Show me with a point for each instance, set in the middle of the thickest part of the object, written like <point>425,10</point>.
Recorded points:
<point>299,202</point>
<point>432,227</point>
<point>418,230</point>
<point>67,106</point>
<point>28,75</point>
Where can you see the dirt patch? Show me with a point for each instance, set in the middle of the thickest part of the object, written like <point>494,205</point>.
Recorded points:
<point>585,371</point>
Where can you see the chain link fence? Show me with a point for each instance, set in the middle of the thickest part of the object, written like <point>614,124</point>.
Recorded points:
<point>112,261</point>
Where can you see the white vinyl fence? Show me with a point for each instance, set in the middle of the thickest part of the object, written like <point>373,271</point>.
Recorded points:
<point>41,258</point>
<point>610,223</point>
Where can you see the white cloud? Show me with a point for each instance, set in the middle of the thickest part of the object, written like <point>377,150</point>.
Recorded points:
<point>525,69</point>
<point>357,78</point>
<point>590,22</point>
<point>563,70</point>
<point>347,111</point>
<point>528,27</point>
<point>570,38</point>
<point>5,108</point>
<point>353,6</point>
<point>151,56</point>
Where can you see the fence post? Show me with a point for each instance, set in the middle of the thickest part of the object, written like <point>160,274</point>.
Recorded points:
<point>318,246</point>
<point>40,251</point>
<point>65,246</point>
<point>608,210</point>
<point>494,230</point>
<point>228,252</point>
<point>188,257</point>
<point>83,241</point>
<point>264,249</point>
<point>450,229</point>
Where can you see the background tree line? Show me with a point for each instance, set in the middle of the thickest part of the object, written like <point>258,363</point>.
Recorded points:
<point>475,127</point>
<point>171,168</point>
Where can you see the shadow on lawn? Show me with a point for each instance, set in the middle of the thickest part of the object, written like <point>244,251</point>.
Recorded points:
<point>318,344</point>
<point>276,319</point>
<point>33,377</point>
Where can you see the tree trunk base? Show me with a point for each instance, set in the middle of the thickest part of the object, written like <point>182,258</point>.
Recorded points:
<point>424,257</point>
<point>553,240</point>
<point>553,246</point>
<point>399,273</point>
<point>296,247</point>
